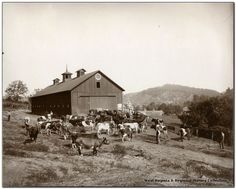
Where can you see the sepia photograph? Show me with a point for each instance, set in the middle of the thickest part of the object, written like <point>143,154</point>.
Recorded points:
<point>118,94</point>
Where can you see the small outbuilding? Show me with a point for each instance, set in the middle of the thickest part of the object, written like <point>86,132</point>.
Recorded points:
<point>78,95</point>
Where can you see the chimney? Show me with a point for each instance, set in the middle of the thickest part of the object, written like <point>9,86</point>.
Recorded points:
<point>80,72</point>
<point>56,81</point>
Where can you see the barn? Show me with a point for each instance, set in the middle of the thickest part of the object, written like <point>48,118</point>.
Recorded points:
<point>78,95</point>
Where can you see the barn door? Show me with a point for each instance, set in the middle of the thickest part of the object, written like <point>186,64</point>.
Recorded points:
<point>103,102</point>
<point>84,104</point>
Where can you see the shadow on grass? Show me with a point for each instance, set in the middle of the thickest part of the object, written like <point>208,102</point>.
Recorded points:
<point>176,139</point>
<point>28,141</point>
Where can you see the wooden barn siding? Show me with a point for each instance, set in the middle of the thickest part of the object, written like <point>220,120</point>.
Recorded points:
<point>58,100</point>
<point>88,89</point>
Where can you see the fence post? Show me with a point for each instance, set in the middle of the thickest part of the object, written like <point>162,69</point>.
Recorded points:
<point>197,132</point>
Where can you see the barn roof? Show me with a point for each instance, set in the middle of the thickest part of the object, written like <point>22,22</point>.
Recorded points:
<point>70,84</point>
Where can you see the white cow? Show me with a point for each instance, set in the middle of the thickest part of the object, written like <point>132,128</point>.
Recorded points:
<point>161,129</point>
<point>105,126</point>
<point>134,126</point>
<point>91,124</point>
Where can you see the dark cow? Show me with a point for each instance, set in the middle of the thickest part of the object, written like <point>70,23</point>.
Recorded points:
<point>74,136</point>
<point>33,133</point>
<point>220,137</point>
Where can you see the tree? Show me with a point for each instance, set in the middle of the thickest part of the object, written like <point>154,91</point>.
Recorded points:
<point>214,111</point>
<point>151,106</point>
<point>35,91</point>
<point>16,90</point>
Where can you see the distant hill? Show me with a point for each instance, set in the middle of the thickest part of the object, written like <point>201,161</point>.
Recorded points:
<point>168,93</point>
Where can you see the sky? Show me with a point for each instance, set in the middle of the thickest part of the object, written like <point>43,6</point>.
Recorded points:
<point>137,45</point>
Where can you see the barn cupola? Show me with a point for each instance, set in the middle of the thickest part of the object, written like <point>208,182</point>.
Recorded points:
<point>66,75</point>
<point>80,72</point>
<point>56,81</point>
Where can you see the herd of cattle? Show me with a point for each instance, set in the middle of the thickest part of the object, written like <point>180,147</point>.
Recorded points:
<point>102,122</point>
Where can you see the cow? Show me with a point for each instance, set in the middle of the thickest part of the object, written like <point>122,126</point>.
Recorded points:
<point>33,133</point>
<point>74,136</point>
<point>160,129</point>
<point>133,126</point>
<point>220,137</point>
<point>64,129</point>
<point>93,144</point>
<point>105,126</point>
<point>88,124</point>
<point>125,132</point>
<point>41,118</point>
<point>184,132</point>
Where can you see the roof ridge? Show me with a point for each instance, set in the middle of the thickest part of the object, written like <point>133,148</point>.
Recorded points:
<point>70,84</point>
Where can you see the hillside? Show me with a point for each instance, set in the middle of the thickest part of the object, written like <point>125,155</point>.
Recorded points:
<point>168,93</point>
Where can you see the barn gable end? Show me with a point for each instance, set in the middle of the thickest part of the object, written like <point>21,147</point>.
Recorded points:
<point>96,93</point>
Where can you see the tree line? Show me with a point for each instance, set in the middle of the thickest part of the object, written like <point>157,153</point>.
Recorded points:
<point>166,108</point>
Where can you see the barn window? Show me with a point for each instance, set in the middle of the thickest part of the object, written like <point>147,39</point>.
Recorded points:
<point>98,84</point>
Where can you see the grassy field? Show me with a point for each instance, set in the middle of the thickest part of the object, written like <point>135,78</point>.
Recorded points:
<point>141,162</point>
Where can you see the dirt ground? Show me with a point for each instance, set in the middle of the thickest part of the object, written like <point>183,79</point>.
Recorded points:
<point>140,162</point>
